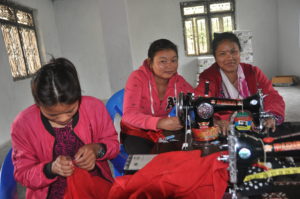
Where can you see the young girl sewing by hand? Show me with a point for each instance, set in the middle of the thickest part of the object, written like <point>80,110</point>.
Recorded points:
<point>61,131</point>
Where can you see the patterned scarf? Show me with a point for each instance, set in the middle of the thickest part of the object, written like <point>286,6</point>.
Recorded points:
<point>230,91</point>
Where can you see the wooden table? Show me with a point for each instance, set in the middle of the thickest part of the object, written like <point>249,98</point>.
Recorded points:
<point>176,145</point>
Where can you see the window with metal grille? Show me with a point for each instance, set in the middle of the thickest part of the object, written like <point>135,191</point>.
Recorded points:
<point>203,18</point>
<point>19,34</point>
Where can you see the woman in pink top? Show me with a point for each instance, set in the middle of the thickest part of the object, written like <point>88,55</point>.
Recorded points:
<point>229,78</point>
<point>150,94</point>
<point>61,132</point>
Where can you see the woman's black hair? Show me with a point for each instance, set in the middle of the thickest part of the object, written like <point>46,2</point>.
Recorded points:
<point>161,44</point>
<point>56,83</point>
<point>220,37</point>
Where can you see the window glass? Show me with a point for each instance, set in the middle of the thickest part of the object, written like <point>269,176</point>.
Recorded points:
<point>19,34</point>
<point>217,7</point>
<point>202,36</point>
<point>6,13</point>
<point>24,18</point>
<point>203,18</point>
<point>193,10</point>
<point>189,35</point>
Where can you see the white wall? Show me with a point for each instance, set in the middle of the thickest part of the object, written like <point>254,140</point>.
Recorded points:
<point>156,19</point>
<point>261,18</point>
<point>116,42</point>
<point>81,40</point>
<point>16,95</point>
<point>289,37</point>
<point>94,35</point>
<point>151,20</point>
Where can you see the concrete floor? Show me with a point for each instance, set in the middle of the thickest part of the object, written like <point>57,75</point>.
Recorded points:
<point>291,96</point>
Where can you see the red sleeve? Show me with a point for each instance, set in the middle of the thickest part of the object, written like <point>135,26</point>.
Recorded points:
<point>132,112</point>
<point>105,132</point>
<point>273,102</point>
<point>28,169</point>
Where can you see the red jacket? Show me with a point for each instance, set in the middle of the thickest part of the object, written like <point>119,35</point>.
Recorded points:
<point>140,89</point>
<point>255,78</point>
<point>33,145</point>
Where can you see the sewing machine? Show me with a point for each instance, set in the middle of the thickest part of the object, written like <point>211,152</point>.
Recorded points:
<point>244,149</point>
<point>196,113</point>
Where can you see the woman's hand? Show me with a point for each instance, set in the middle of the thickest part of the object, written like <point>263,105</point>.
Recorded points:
<point>169,123</point>
<point>270,123</point>
<point>62,166</point>
<point>85,157</point>
<point>223,126</point>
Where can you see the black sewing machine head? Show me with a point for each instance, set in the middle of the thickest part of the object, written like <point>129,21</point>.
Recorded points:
<point>244,150</point>
<point>202,109</point>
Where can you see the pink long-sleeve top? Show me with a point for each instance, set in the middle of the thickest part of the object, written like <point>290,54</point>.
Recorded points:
<point>33,144</point>
<point>142,107</point>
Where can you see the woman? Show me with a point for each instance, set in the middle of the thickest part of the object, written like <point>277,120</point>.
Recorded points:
<point>228,78</point>
<point>149,95</point>
<point>61,132</point>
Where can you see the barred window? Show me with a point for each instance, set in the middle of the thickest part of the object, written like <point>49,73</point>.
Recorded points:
<point>19,34</point>
<point>201,19</point>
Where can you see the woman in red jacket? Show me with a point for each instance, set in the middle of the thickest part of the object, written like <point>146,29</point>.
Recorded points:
<point>62,132</point>
<point>228,78</point>
<point>149,95</point>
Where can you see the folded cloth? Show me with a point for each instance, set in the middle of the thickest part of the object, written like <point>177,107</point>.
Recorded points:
<point>143,133</point>
<point>179,174</point>
<point>81,184</point>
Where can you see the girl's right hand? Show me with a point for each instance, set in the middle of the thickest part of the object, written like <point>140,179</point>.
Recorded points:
<point>169,123</point>
<point>63,166</point>
<point>223,126</point>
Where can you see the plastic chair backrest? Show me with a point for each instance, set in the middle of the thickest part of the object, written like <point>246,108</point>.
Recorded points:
<point>114,105</point>
<point>8,184</point>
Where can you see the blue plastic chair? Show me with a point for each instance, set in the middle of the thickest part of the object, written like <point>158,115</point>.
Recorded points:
<point>114,105</point>
<point>8,184</point>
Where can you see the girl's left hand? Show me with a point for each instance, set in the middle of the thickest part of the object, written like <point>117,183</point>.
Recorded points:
<point>85,157</point>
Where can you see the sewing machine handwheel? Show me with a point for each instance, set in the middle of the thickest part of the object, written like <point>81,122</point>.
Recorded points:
<point>181,111</point>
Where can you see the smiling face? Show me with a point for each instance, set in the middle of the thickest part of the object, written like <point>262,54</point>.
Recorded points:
<point>61,114</point>
<point>227,56</point>
<point>164,64</point>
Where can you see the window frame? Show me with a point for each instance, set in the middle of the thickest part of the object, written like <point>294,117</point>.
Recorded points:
<point>208,16</point>
<point>18,26</point>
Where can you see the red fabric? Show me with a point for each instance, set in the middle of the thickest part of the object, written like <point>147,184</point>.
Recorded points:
<point>177,174</point>
<point>137,99</point>
<point>255,78</point>
<point>83,185</point>
<point>147,134</point>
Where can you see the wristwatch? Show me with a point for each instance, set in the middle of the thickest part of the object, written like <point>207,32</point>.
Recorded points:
<point>102,151</point>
